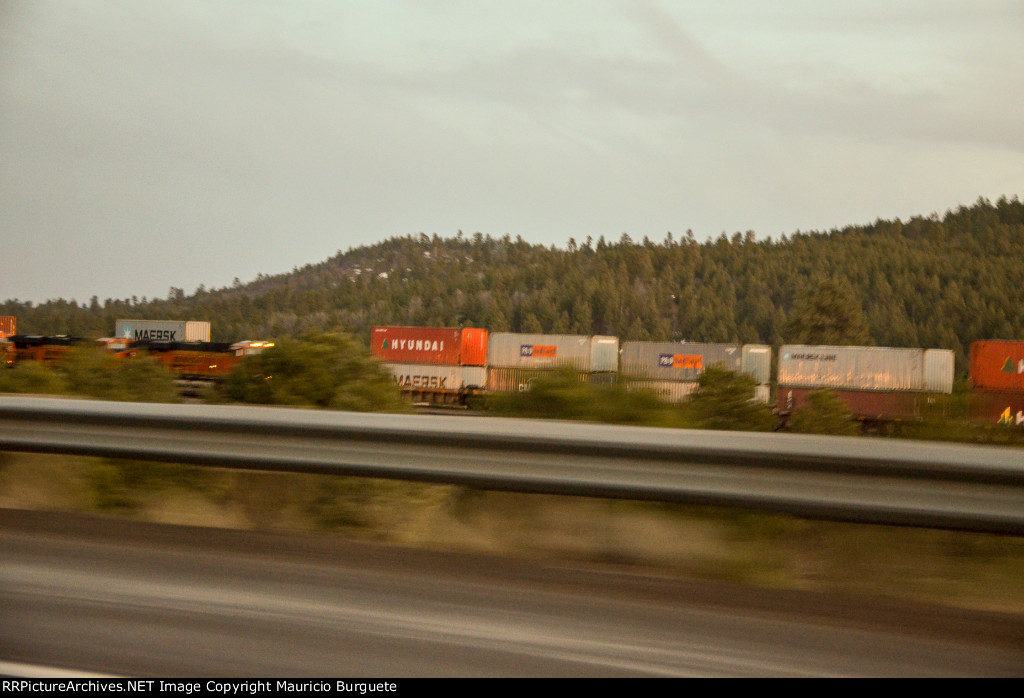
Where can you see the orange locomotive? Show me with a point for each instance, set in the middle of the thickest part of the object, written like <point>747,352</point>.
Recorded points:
<point>46,350</point>
<point>190,360</point>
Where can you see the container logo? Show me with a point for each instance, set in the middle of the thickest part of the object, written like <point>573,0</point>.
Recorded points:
<point>152,335</point>
<point>807,356</point>
<point>435,382</point>
<point>1008,418</point>
<point>1008,366</point>
<point>413,345</point>
<point>691,361</point>
<point>538,351</point>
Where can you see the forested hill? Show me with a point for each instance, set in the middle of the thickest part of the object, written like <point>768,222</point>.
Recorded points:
<point>927,282</point>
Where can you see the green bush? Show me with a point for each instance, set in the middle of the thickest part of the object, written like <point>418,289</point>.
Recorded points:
<point>95,373</point>
<point>564,394</point>
<point>32,377</point>
<point>725,400</point>
<point>329,371</point>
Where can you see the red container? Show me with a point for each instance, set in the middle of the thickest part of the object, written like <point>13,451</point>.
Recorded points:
<point>865,405</point>
<point>997,364</point>
<point>997,407</point>
<point>439,346</point>
<point>7,325</point>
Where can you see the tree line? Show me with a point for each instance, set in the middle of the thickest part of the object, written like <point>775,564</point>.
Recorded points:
<point>930,281</point>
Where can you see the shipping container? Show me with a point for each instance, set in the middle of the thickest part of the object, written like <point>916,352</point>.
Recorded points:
<point>440,378</point>
<point>997,364</point>
<point>675,361</point>
<point>669,391</point>
<point>163,330</point>
<point>763,394</point>
<point>853,368</point>
<point>996,407</point>
<point>8,325</point>
<point>438,346</point>
<point>678,391</point>
<point>872,405</point>
<point>518,380</point>
<point>938,370</point>
<point>757,363</point>
<point>585,353</point>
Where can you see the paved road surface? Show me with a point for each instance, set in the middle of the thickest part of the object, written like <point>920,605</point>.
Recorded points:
<point>121,598</point>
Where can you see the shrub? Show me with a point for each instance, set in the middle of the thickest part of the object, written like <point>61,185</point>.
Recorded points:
<point>328,370</point>
<point>725,400</point>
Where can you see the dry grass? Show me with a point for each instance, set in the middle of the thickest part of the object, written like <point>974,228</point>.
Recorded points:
<point>957,569</point>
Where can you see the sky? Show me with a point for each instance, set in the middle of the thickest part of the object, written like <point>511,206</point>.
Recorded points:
<point>179,143</point>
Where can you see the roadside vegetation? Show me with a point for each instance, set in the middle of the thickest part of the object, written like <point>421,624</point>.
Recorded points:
<point>92,372</point>
<point>329,371</point>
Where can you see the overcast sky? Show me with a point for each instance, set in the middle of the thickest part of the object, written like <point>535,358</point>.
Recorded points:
<point>146,144</point>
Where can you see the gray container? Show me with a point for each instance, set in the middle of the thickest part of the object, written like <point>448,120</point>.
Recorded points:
<point>757,363</point>
<point>938,370</point>
<point>679,391</point>
<point>669,391</point>
<point>520,380</point>
<point>163,330</point>
<point>440,378</point>
<point>851,368</point>
<point>675,361</point>
<point>586,353</point>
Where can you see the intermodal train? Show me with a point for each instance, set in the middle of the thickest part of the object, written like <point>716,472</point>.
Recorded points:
<point>452,366</point>
<point>881,386</point>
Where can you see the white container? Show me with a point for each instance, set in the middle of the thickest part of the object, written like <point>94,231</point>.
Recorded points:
<point>938,370</point>
<point>520,380</point>
<point>669,391</point>
<point>679,391</point>
<point>762,394</point>
<point>163,330</point>
<point>757,363</point>
<point>439,378</point>
<point>851,368</point>
<point>587,353</point>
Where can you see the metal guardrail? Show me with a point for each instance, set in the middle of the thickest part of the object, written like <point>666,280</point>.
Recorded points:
<point>885,481</point>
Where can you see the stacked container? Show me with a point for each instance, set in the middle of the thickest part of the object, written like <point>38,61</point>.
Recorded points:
<point>875,382</point>
<point>8,324</point>
<point>439,361</point>
<point>515,360</point>
<point>163,330</point>
<point>997,382</point>
<point>672,370</point>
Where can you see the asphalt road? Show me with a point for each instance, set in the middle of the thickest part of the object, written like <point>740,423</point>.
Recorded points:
<point>93,595</point>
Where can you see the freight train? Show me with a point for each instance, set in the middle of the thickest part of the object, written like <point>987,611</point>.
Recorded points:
<point>453,366</point>
<point>881,386</point>
<point>997,382</point>
<point>182,347</point>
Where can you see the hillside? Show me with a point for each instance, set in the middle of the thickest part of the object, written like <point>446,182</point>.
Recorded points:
<point>926,282</point>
